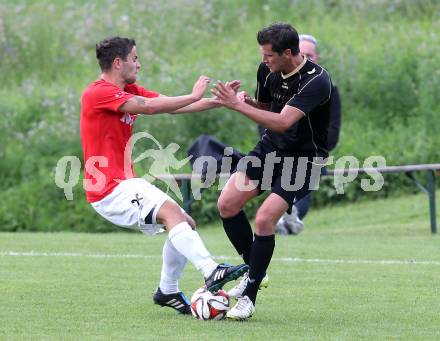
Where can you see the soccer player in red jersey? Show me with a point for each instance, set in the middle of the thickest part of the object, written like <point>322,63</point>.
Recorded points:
<point>109,107</point>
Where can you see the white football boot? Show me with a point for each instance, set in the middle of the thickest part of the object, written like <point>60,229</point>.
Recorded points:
<point>292,223</point>
<point>280,227</point>
<point>237,291</point>
<point>242,310</point>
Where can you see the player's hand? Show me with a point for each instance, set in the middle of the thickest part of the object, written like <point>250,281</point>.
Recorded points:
<point>243,96</point>
<point>225,95</point>
<point>200,87</point>
<point>235,84</point>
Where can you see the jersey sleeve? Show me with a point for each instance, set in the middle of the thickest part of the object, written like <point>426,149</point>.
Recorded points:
<point>316,91</point>
<point>262,93</point>
<point>110,97</point>
<point>140,91</point>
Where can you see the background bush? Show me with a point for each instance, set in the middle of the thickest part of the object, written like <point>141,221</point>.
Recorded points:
<point>383,55</point>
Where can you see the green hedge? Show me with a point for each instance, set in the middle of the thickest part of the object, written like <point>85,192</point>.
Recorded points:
<point>383,55</point>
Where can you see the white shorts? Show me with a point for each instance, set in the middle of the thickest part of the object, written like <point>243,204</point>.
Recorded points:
<point>134,203</point>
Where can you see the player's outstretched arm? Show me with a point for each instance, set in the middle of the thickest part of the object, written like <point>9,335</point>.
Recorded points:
<point>201,105</point>
<point>270,120</point>
<point>162,104</point>
<point>206,103</point>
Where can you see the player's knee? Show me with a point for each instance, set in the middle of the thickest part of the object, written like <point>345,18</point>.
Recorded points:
<point>170,214</point>
<point>174,209</point>
<point>226,207</point>
<point>264,223</point>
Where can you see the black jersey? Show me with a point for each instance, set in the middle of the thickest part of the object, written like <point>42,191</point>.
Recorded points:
<point>308,89</point>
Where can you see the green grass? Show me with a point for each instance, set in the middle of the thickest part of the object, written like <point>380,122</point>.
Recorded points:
<point>82,297</point>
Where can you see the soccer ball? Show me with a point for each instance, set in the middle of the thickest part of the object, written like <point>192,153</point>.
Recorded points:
<point>208,306</point>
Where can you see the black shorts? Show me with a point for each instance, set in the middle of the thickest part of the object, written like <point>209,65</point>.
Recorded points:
<point>289,177</point>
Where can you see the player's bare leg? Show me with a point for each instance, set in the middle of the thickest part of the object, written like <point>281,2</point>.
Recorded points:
<point>234,196</point>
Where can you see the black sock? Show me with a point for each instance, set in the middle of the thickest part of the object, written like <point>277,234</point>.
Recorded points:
<point>240,234</point>
<point>261,254</point>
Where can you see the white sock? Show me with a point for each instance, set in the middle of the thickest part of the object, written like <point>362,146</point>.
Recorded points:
<point>188,243</point>
<point>173,263</point>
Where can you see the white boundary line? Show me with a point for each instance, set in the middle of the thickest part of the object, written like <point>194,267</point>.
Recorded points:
<point>221,257</point>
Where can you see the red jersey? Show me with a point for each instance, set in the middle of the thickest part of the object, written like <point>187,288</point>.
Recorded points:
<point>105,132</point>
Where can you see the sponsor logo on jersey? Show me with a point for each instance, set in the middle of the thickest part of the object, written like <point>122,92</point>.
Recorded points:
<point>120,94</point>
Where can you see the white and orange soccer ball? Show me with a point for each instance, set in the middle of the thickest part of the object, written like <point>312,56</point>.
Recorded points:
<point>208,306</point>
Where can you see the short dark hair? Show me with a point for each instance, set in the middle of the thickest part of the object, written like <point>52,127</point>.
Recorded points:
<point>109,49</point>
<point>281,36</point>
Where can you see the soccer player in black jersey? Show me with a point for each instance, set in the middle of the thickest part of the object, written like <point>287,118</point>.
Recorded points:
<point>291,102</point>
<point>292,222</point>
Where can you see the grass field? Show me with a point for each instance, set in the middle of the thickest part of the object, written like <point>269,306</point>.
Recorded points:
<point>368,271</point>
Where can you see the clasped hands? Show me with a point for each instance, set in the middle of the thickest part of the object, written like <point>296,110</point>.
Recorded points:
<point>227,94</point>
